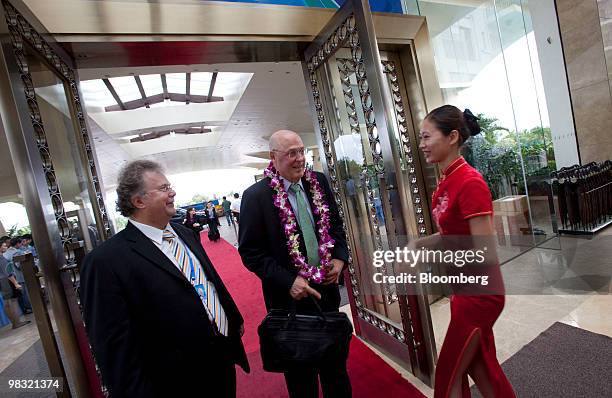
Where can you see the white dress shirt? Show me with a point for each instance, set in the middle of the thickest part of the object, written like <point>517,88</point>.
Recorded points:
<point>235,205</point>
<point>156,236</point>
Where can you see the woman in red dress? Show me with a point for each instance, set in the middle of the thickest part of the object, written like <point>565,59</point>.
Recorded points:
<point>462,205</point>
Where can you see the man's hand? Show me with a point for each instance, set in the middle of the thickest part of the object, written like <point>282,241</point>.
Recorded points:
<point>333,275</point>
<point>301,289</point>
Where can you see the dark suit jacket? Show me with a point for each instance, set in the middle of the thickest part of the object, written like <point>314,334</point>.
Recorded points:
<point>210,217</point>
<point>148,329</point>
<point>189,221</point>
<point>263,246</point>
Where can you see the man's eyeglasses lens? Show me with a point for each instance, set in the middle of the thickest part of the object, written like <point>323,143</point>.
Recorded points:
<point>292,154</point>
<point>164,188</point>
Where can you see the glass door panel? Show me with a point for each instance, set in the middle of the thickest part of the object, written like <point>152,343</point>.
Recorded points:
<point>359,140</point>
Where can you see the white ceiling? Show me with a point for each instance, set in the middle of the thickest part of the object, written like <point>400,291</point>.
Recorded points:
<point>274,99</point>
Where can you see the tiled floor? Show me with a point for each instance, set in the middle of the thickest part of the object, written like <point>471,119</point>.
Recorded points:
<point>571,285</point>
<point>14,342</point>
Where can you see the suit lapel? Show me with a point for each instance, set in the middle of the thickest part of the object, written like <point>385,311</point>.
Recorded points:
<point>276,211</point>
<point>147,249</point>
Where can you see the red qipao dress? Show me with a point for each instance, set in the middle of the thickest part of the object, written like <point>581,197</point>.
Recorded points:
<point>462,194</point>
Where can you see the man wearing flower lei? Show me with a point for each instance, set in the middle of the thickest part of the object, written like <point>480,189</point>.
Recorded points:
<point>291,236</point>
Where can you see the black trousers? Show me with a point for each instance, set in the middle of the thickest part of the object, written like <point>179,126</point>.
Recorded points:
<point>335,382</point>
<point>225,372</point>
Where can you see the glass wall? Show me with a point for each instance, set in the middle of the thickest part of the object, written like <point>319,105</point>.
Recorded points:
<point>487,61</point>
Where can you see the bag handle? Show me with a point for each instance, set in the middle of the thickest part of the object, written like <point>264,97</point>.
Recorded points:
<point>293,309</point>
<point>318,307</point>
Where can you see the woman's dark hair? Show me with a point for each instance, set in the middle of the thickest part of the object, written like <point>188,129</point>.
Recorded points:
<point>188,215</point>
<point>448,118</point>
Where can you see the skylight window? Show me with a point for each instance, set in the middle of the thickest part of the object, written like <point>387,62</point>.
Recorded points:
<point>176,82</point>
<point>96,94</point>
<point>228,84</point>
<point>152,84</point>
<point>200,83</point>
<point>101,92</point>
<point>126,88</point>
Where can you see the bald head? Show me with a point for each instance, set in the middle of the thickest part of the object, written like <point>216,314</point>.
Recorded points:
<point>287,154</point>
<point>281,139</point>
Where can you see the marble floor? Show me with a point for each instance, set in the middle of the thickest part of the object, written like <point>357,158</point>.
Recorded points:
<point>14,342</point>
<point>569,284</point>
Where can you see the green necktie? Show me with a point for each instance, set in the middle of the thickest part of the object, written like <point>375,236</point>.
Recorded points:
<point>312,246</point>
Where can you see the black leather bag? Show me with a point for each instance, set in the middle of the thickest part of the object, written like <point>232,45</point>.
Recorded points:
<point>291,341</point>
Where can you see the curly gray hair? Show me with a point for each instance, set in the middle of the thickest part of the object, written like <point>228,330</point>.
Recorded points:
<point>130,183</point>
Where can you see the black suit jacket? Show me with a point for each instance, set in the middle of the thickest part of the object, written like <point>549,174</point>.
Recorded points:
<point>148,329</point>
<point>210,216</point>
<point>263,246</point>
<point>188,222</point>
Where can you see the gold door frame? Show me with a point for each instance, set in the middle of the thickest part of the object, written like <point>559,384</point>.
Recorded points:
<point>38,182</point>
<point>352,26</point>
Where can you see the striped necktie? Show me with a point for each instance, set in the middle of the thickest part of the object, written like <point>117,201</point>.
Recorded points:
<point>194,273</point>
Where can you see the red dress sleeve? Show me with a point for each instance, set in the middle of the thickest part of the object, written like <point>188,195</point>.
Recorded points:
<point>475,199</point>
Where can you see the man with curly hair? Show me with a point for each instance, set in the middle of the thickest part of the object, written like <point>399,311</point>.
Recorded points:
<point>159,319</point>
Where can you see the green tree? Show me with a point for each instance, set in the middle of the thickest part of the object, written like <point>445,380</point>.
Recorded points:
<point>348,168</point>
<point>493,154</point>
<point>199,198</point>
<point>490,128</point>
<point>496,154</point>
<point>15,232</point>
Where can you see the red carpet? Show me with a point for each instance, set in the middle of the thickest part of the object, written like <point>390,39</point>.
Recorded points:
<point>370,375</point>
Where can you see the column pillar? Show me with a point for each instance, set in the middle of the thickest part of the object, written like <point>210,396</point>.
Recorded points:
<point>581,24</point>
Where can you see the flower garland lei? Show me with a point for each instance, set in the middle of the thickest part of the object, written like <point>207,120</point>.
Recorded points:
<point>290,226</point>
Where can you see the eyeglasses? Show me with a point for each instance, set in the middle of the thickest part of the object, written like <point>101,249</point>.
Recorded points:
<point>164,188</point>
<point>292,154</point>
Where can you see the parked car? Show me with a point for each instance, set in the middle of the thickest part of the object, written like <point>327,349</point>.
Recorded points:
<point>179,216</point>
